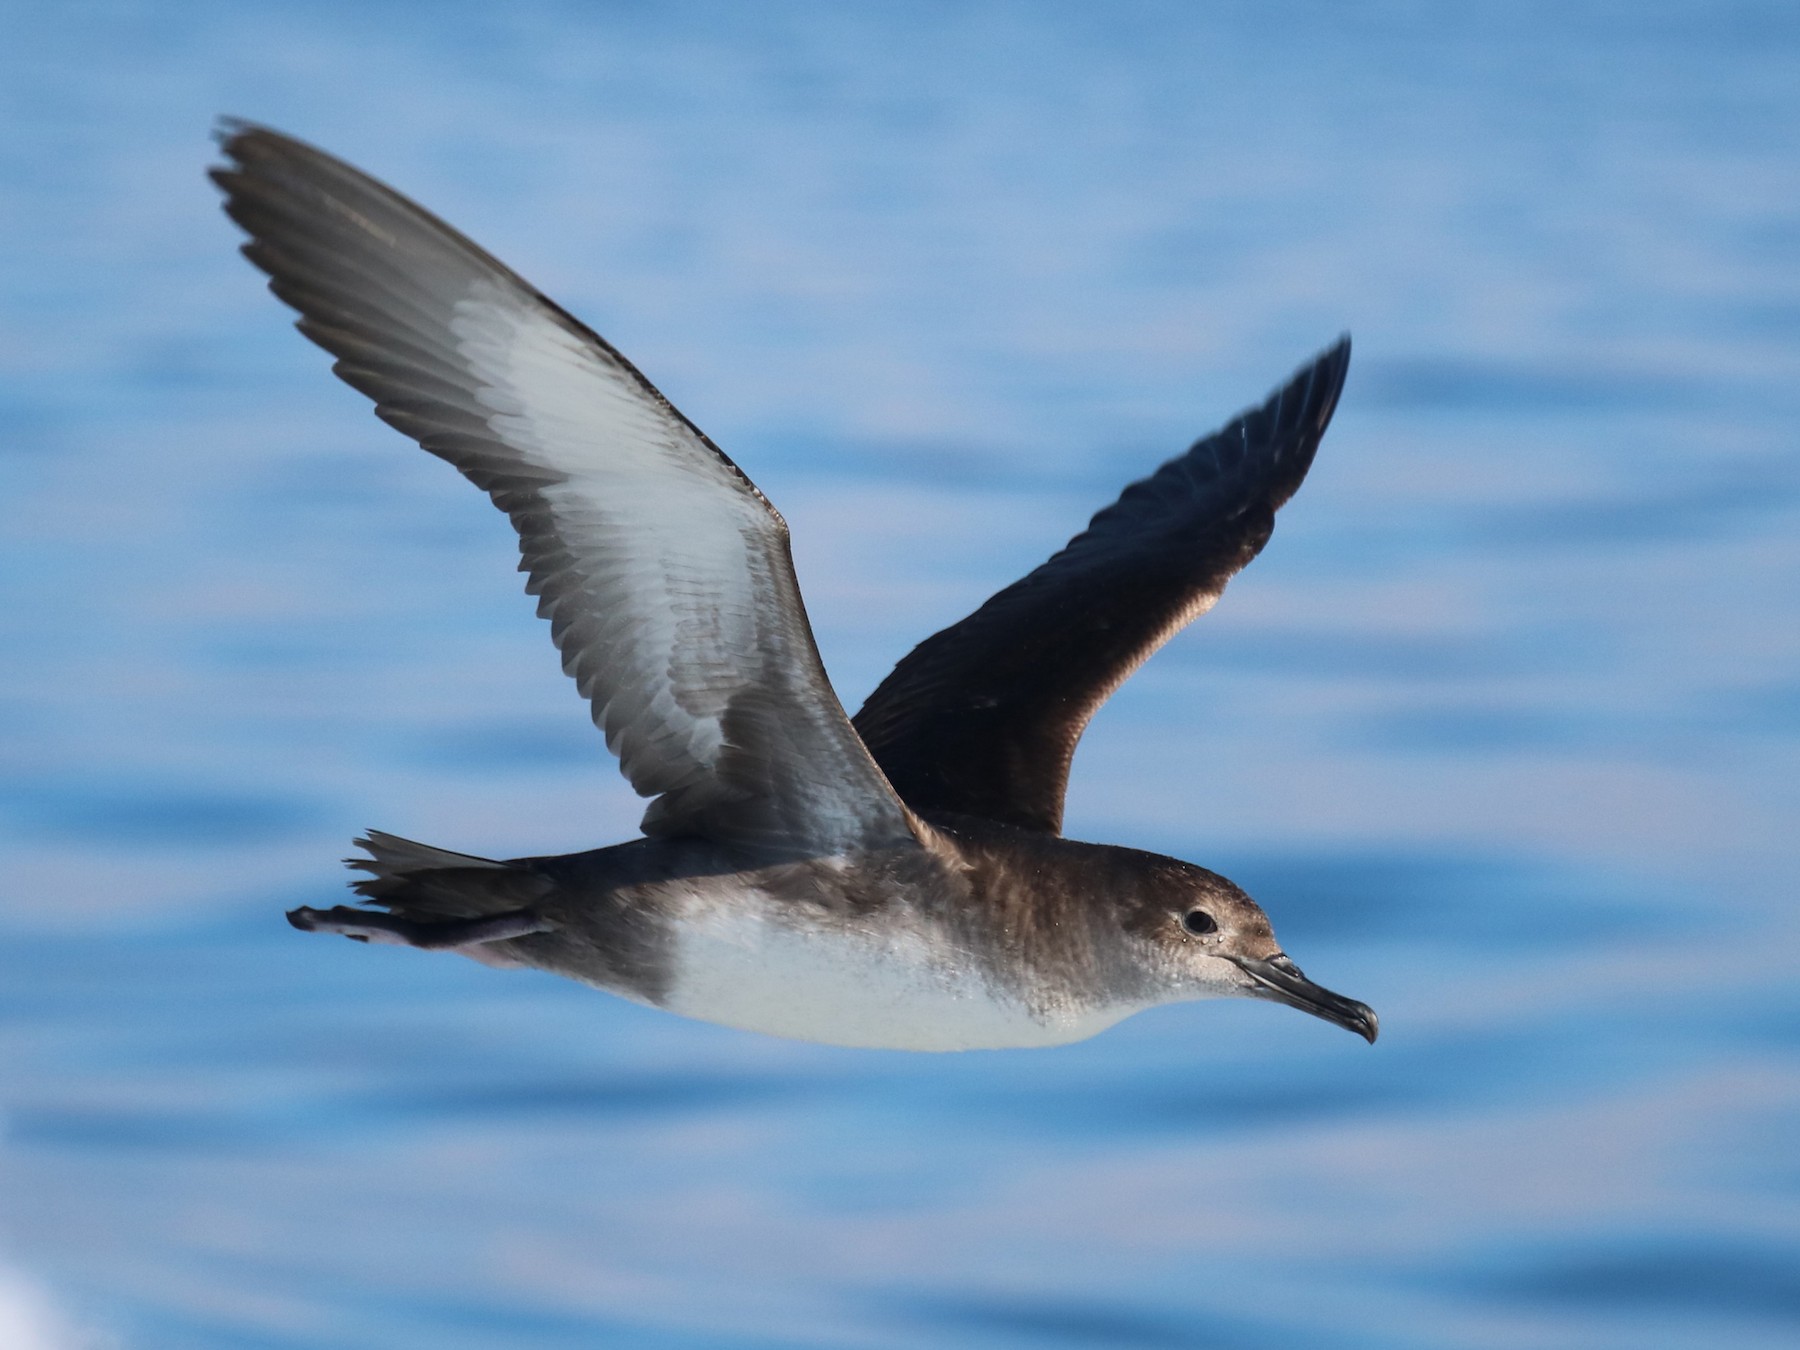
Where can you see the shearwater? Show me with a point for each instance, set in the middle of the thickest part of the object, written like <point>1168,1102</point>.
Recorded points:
<point>898,879</point>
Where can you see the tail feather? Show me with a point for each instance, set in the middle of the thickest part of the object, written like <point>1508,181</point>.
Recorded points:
<point>417,880</point>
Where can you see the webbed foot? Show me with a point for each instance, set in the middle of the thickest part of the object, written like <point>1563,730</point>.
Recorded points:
<point>367,925</point>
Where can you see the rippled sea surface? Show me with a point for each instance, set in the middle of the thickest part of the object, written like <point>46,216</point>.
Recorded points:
<point>1503,729</point>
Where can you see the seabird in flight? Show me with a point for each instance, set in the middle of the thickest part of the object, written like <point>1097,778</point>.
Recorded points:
<point>899,879</point>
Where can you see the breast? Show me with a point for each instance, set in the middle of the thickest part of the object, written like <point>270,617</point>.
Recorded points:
<point>876,981</point>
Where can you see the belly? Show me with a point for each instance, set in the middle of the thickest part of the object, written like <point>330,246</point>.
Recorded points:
<point>759,967</point>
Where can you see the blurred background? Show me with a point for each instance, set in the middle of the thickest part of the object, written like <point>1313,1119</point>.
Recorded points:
<point>1503,729</point>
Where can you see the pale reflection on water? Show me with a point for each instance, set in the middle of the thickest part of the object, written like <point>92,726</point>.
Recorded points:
<point>1501,730</point>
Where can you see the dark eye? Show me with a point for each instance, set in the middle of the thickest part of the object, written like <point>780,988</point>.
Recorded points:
<point>1198,921</point>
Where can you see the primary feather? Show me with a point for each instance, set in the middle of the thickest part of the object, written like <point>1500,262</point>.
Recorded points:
<point>982,718</point>
<point>665,574</point>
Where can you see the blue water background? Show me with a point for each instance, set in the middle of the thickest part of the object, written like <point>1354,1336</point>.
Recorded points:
<point>1502,729</point>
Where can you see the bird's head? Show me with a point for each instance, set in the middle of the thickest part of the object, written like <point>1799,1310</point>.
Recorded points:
<point>1200,936</point>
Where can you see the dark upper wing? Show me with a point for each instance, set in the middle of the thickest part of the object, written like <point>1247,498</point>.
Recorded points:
<point>982,718</point>
<point>664,573</point>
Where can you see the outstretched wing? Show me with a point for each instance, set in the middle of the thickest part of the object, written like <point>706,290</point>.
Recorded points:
<point>665,574</point>
<point>982,718</point>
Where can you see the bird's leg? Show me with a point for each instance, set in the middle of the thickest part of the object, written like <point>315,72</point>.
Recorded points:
<point>367,925</point>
